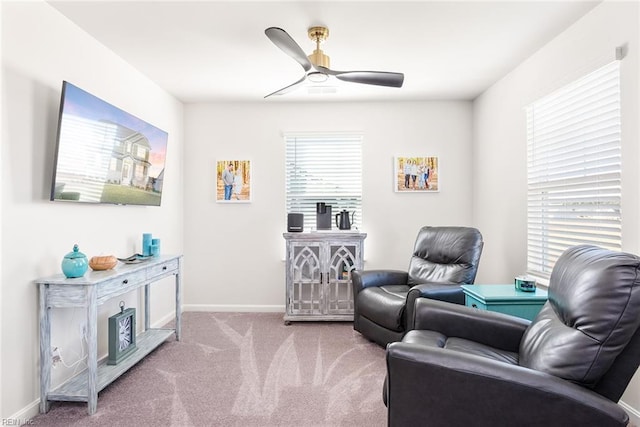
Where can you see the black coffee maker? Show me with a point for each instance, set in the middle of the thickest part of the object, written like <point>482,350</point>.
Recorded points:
<point>324,219</point>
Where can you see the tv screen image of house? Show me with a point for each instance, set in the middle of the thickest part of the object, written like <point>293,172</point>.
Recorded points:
<point>106,155</point>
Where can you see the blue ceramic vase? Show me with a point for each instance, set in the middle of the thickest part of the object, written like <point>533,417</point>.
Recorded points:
<point>75,263</point>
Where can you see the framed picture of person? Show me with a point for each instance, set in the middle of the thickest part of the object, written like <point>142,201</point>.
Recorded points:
<point>233,181</point>
<point>416,174</point>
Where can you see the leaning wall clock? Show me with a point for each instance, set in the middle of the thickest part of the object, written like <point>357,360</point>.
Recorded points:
<point>122,334</point>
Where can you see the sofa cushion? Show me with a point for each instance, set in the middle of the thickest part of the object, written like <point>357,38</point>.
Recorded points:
<point>384,305</point>
<point>592,312</point>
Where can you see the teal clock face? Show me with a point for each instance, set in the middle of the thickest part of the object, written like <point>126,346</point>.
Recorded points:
<point>124,335</point>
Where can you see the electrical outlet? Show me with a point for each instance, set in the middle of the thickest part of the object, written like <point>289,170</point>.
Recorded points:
<point>55,356</point>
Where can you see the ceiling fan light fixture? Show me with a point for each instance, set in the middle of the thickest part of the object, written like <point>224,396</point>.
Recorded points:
<point>317,77</point>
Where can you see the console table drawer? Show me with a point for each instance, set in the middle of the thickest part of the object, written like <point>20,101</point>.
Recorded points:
<point>71,295</point>
<point>120,285</point>
<point>505,299</point>
<point>165,269</point>
<point>526,310</point>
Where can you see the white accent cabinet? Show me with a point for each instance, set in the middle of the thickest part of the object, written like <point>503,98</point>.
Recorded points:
<point>318,274</point>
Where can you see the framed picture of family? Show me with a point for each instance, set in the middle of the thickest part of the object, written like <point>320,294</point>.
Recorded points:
<point>233,181</point>
<point>416,174</point>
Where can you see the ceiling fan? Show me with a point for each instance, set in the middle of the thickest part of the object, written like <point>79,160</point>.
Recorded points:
<point>320,62</point>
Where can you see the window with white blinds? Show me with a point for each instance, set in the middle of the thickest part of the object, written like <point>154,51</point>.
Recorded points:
<point>324,168</point>
<point>574,169</point>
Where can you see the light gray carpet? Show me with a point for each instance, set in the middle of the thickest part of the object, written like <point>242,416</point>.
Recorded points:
<point>244,369</point>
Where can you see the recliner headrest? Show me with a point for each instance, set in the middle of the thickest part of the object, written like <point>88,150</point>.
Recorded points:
<point>592,312</point>
<point>445,254</point>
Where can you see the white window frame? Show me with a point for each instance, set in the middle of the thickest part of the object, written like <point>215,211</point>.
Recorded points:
<point>323,167</point>
<point>574,169</point>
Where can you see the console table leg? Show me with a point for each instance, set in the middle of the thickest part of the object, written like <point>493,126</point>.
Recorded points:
<point>178,305</point>
<point>45,349</point>
<point>92,351</point>
<point>147,304</point>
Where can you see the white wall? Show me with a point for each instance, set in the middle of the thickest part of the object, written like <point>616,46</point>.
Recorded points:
<point>500,186</point>
<point>40,48</point>
<point>235,252</point>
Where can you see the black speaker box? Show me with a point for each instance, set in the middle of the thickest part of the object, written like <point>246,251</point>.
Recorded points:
<point>295,222</point>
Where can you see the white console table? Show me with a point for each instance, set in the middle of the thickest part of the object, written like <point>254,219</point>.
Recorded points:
<point>88,292</point>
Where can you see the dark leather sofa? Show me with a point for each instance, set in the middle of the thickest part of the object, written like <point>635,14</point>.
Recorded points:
<point>466,367</point>
<point>443,259</point>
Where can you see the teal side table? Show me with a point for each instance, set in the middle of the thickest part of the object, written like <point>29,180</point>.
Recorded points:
<point>505,299</point>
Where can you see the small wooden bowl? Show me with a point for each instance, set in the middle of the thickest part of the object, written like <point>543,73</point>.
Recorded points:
<point>99,263</point>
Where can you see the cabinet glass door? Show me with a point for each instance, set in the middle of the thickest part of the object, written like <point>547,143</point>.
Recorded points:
<point>339,292</point>
<point>306,291</point>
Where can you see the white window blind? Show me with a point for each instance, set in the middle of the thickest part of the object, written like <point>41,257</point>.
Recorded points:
<point>324,168</point>
<point>574,169</point>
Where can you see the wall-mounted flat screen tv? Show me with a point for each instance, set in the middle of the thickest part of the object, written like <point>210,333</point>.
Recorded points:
<point>105,155</point>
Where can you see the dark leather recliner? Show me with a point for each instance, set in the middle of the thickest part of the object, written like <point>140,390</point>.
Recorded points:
<point>443,259</point>
<point>568,367</point>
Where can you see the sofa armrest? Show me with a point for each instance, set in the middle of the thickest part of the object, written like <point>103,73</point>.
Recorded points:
<point>451,388</point>
<point>364,278</point>
<point>486,327</point>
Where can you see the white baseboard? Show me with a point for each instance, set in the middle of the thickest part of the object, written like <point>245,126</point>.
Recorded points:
<point>232,308</point>
<point>634,415</point>
<point>22,417</point>
<point>164,320</point>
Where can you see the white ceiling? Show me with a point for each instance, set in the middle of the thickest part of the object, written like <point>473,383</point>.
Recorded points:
<point>207,51</point>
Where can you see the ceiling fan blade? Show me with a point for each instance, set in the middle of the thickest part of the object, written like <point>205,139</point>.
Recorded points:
<point>379,78</point>
<point>280,38</point>
<point>289,88</point>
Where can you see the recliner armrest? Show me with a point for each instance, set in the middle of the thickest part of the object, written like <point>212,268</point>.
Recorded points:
<point>486,327</point>
<point>450,388</point>
<point>441,291</point>
<point>364,278</point>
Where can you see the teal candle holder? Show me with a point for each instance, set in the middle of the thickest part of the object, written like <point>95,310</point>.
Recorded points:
<point>146,244</point>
